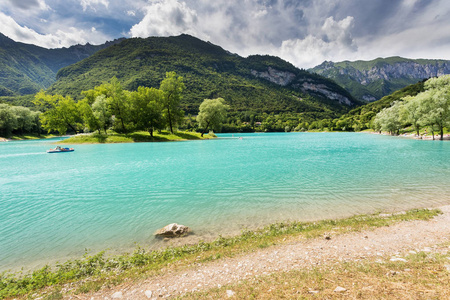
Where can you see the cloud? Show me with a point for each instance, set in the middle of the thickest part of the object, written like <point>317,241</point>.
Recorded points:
<point>62,37</point>
<point>165,18</point>
<point>93,3</point>
<point>29,4</point>
<point>334,40</point>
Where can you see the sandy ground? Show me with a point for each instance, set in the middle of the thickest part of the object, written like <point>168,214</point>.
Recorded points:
<point>386,242</point>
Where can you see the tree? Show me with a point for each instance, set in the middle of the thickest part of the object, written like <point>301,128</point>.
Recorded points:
<point>146,108</point>
<point>172,87</point>
<point>389,119</point>
<point>60,113</point>
<point>87,113</point>
<point>213,112</point>
<point>101,112</point>
<point>8,120</point>
<point>412,112</point>
<point>438,102</point>
<point>116,98</point>
<point>25,119</point>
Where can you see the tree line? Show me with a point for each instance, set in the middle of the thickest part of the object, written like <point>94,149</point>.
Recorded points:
<point>110,106</point>
<point>18,119</point>
<point>428,109</point>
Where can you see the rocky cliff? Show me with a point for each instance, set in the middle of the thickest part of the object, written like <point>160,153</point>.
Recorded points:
<point>371,80</point>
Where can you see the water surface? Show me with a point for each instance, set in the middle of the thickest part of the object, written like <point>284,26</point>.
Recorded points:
<point>54,206</point>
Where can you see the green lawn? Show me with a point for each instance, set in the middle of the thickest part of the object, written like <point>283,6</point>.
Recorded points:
<point>138,136</point>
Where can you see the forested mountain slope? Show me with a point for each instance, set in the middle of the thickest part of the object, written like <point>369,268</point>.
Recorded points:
<point>25,68</point>
<point>372,80</point>
<point>259,84</point>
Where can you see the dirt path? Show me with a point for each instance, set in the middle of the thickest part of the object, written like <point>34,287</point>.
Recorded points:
<point>391,241</point>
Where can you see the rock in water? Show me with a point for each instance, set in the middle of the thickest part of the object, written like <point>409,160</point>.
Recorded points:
<point>172,230</point>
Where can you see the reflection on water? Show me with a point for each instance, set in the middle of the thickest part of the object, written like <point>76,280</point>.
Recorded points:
<point>54,206</point>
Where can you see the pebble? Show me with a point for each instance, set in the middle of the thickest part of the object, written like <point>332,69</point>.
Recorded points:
<point>230,293</point>
<point>398,259</point>
<point>148,294</point>
<point>340,289</point>
<point>117,295</point>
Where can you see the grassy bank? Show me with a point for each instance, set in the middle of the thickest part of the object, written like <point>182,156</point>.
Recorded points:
<point>138,136</point>
<point>19,137</point>
<point>91,273</point>
<point>423,275</point>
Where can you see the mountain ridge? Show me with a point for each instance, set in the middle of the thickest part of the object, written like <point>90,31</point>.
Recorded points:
<point>374,79</point>
<point>260,83</point>
<point>27,68</point>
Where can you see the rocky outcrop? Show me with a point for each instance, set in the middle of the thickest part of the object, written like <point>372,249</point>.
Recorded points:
<point>371,80</point>
<point>389,72</point>
<point>322,89</point>
<point>172,230</point>
<point>307,86</point>
<point>282,78</point>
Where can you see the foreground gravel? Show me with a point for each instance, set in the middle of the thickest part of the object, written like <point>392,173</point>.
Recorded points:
<point>391,242</point>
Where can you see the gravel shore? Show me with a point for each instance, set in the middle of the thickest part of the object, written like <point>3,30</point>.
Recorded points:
<point>382,243</point>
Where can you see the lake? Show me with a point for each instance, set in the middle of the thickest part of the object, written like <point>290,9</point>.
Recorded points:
<point>114,196</point>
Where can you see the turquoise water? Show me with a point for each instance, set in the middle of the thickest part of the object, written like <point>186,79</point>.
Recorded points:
<point>54,206</point>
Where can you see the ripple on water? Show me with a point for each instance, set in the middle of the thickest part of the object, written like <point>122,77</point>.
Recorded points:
<point>110,196</point>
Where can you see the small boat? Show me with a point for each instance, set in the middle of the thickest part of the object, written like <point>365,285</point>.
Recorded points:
<point>58,149</point>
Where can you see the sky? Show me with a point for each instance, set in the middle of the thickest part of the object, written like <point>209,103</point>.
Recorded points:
<point>303,32</point>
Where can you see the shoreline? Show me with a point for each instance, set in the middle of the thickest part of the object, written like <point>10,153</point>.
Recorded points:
<point>277,241</point>
<point>217,277</point>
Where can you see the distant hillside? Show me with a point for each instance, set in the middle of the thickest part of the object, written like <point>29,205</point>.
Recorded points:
<point>360,118</point>
<point>25,69</point>
<point>263,84</point>
<point>371,80</point>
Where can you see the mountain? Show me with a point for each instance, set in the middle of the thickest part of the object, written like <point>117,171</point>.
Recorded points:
<point>261,84</point>
<point>371,80</point>
<point>25,68</point>
<point>360,118</point>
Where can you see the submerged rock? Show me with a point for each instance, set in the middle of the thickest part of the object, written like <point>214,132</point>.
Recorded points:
<point>172,230</point>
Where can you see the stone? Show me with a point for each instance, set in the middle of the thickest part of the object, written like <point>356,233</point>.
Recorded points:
<point>148,294</point>
<point>117,295</point>
<point>340,289</point>
<point>230,293</point>
<point>398,259</point>
<point>327,237</point>
<point>172,230</point>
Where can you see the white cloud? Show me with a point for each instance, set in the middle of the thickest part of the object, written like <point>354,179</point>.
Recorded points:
<point>131,13</point>
<point>165,18</point>
<point>62,37</point>
<point>93,3</point>
<point>333,41</point>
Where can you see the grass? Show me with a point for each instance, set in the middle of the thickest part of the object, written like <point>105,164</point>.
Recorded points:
<point>93,272</point>
<point>424,275</point>
<point>138,136</point>
<point>18,137</point>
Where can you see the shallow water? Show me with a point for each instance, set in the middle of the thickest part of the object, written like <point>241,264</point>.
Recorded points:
<point>54,206</point>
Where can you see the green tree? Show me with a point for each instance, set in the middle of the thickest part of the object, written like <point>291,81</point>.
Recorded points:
<point>389,119</point>
<point>412,112</point>
<point>8,120</point>
<point>172,88</point>
<point>212,113</point>
<point>146,108</point>
<point>60,113</point>
<point>25,119</point>
<point>438,104</point>
<point>101,112</point>
<point>87,113</point>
